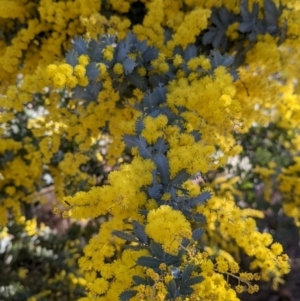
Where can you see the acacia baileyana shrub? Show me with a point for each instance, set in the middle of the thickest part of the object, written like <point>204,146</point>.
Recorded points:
<point>126,107</point>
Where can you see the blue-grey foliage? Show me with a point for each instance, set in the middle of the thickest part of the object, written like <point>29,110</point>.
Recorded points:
<point>127,295</point>
<point>89,93</point>
<point>80,45</point>
<point>163,169</point>
<point>172,290</point>
<point>197,233</point>
<point>72,57</point>
<point>161,146</point>
<point>138,280</point>
<point>137,80</point>
<point>157,250</point>
<point>155,192</point>
<point>128,65</point>
<point>187,272</point>
<point>125,236</point>
<point>200,199</point>
<point>149,262</point>
<point>190,52</point>
<point>92,72</point>
<point>221,18</point>
<point>139,231</point>
<point>95,50</point>
<point>134,54</point>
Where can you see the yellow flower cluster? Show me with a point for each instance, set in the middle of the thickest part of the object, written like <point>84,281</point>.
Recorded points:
<point>65,75</point>
<point>226,218</point>
<point>154,128</point>
<point>152,30</point>
<point>114,199</point>
<point>71,163</point>
<point>216,118</point>
<point>160,65</point>
<point>168,227</point>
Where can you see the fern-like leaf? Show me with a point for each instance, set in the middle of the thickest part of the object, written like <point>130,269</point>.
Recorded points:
<point>138,280</point>
<point>187,272</point>
<point>72,57</point>
<point>150,54</point>
<point>200,199</point>
<point>149,262</point>
<point>157,250</point>
<point>160,93</point>
<point>161,145</point>
<point>197,234</point>
<point>144,150</point>
<point>130,140</point>
<point>122,51</point>
<point>80,45</point>
<point>190,52</point>
<point>163,169</point>
<point>172,289</point>
<point>92,72</point>
<point>138,81</point>
<point>194,280</point>
<point>155,191</point>
<point>128,65</point>
<point>124,236</point>
<point>180,177</point>
<point>186,291</point>
<point>127,295</point>
<point>94,51</point>
<point>139,231</point>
